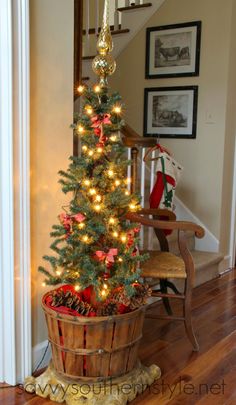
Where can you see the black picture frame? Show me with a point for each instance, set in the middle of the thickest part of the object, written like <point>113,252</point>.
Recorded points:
<point>180,55</point>
<point>171,112</point>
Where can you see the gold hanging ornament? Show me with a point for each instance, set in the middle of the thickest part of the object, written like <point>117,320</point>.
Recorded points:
<point>104,64</point>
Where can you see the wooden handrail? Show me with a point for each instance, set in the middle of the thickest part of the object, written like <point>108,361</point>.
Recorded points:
<point>129,132</point>
<point>132,139</point>
<point>134,7</point>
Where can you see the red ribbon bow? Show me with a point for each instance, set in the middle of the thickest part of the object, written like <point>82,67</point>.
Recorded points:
<point>109,257</point>
<point>131,235</point>
<point>98,122</point>
<point>79,217</point>
<point>67,220</point>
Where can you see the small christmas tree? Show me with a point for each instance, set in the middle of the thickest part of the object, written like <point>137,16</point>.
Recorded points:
<point>95,246</point>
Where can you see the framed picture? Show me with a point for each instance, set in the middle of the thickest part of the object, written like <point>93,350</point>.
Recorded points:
<point>173,50</point>
<point>171,112</point>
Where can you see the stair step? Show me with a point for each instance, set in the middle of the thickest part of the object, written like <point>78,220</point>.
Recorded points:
<point>206,267</point>
<point>121,31</point>
<point>113,31</point>
<point>89,57</point>
<point>205,259</point>
<point>134,7</point>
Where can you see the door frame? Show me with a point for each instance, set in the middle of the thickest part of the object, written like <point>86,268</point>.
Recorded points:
<point>232,247</point>
<point>15,275</point>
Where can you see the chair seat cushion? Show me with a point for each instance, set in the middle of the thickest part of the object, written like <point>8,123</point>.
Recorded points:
<point>163,265</point>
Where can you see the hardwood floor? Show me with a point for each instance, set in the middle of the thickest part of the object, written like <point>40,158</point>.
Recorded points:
<point>188,378</point>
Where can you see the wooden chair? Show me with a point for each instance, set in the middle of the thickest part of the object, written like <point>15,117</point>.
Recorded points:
<point>164,265</point>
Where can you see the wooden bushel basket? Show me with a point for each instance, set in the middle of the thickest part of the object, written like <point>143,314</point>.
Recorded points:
<point>95,348</point>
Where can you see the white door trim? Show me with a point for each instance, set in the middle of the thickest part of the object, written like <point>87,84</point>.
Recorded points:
<point>15,300</point>
<point>21,101</point>
<point>7,320</point>
<point>232,247</point>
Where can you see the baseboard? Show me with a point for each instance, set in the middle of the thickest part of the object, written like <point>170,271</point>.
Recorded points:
<point>209,243</point>
<point>38,353</point>
<point>225,265</point>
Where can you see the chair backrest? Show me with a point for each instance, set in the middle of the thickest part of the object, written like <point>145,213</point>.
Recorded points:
<point>143,176</point>
<point>161,234</point>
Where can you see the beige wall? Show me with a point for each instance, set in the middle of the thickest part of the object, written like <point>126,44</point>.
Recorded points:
<point>51,37</point>
<point>203,159</point>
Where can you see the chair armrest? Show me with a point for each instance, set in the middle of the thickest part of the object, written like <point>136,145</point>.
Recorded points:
<point>158,212</point>
<point>171,225</point>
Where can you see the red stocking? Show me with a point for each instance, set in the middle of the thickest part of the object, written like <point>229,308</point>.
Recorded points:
<point>157,193</point>
<point>158,189</point>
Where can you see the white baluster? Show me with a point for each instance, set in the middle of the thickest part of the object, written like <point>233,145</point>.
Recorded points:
<point>129,168</point>
<point>116,16</point>
<point>87,23</point>
<point>97,17</point>
<point>137,2</point>
<point>126,3</point>
<point>143,178</point>
<point>150,233</point>
<point>143,166</point>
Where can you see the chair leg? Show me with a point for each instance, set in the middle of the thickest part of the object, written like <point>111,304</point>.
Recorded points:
<point>171,285</point>
<point>166,302</point>
<point>188,317</point>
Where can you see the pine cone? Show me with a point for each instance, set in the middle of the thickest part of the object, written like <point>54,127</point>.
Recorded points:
<point>143,292</point>
<point>67,294</point>
<point>83,308</point>
<point>121,297</point>
<point>57,298</point>
<point>109,308</point>
<point>71,301</point>
<point>136,302</point>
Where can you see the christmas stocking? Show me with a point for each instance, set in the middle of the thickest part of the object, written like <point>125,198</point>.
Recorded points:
<point>168,174</point>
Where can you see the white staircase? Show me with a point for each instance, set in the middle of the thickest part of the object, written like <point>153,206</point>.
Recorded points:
<point>126,20</point>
